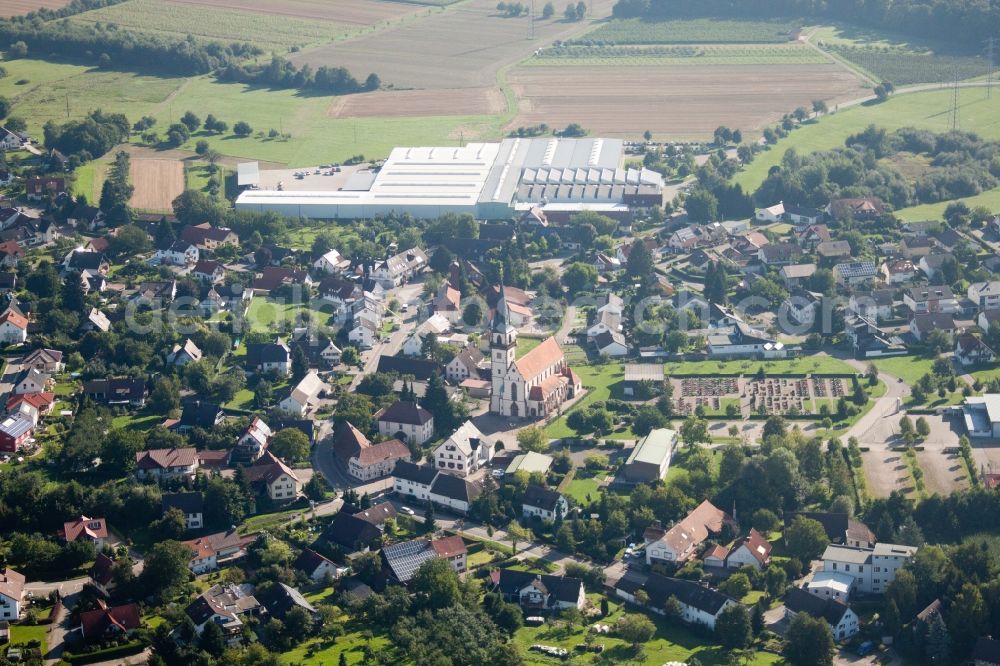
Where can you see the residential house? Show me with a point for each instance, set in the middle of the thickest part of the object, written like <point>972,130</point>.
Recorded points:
<point>611,343</point>
<point>452,549</point>
<point>10,140</point>
<point>30,380</point>
<point>916,247</point>
<point>743,341</point>
<point>420,369</point>
<point>272,278</point>
<point>875,304</point>
<point>855,273</point>
<point>199,414</point>
<point>868,340</point>
<point>117,391</point>
<point>269,357</point>
<point>986,295</point>
<point>800,308</point>
<point>413,480</point>
<point>11,254</point>
<point>543,503</point>
<point>448,303</point>
<point>700,605</point>
<point>987,318</point>
<point>679,543</point>
<point>606,264</point>
<point>464,365</point>
<point>774,213</point>
<point>209,271</point>
<point>280,598</point>
<point>406,421</point>
<point>106,622</point>
<point>11,594</point>
<point>156,293</point>
<point>866,208</point>
<point>330,262</point>
<point>930,299</point>
<point>80,260</point>
<point>319,349</point>
<point>922,325</point>
<point>454,493</point>
<point>972,351</point>
<point>16,431</point>
<point>206,237</point>
<point>358,529</point>
<point>650,458</point>
<point>38,188</point>
<point>778,254</point>
<point>166,463</point>
<point>95,321</point>
<point>840,528</point>
<point>873,568</point>
<point>364,333</point>
<point>317,567</point>
<point>192,505</point>
<point>464,452</point>
<point>102,576</point>
<point>228,606</point>
<point>399,269</point>
<point>401,560</point>
<point>44,360</point>
<point>272,477</point>
<point>8,282</point>
<point>35,405</point>
<point>842,620</point>
<point>812,235</point>
<point>252,443</point>
<point>751,550</point>
<point>13,328</point>
<point>339,292</point>
<point>181,355</point>
<point>833,250</point>
<point>94,530</point>
<point>793,275</point>
<point>898,271</point>
<point>362,459</point>
<point>178,253</point>
<point>214,551</point>
<point>305,396</point>
<point>831,585</point>
<point>538,592</point>
<point>435,325</point>
<point>933,265</point>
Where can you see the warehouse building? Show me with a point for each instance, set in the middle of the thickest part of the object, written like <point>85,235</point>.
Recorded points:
<point>486,180</point>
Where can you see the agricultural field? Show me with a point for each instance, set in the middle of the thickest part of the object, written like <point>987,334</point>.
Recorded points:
<point>693,31</point>
<point>355,12</point>
<point>461,47</point>
<point>401,103</point>
<point>925,110</point>
<point>10,8</point>
<point>217,23</point>
<point>904,67</point>
<point>683,101</point>
<point>716,54</point>
<point>156,183</point>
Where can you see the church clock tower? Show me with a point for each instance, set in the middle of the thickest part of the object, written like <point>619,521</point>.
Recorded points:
<point>503,346</point>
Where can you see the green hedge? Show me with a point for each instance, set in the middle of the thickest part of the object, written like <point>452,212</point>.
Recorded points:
<point>127,650</point>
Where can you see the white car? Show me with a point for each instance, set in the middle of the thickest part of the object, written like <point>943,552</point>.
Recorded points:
<point>407,510</point>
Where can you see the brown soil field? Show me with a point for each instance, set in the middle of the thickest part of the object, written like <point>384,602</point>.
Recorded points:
<point>417,103</point>
<point>461,47</point>
<point>349,12</point>
<point>683,101</point>
<point>156,182</point>
<point>17,7</point>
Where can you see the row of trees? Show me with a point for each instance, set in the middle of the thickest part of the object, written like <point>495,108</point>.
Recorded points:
<point>89,138</point>
<point>280,73</point>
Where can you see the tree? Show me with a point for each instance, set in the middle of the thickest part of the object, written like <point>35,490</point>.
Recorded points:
<point>194,207</point>
<point>968,618</point>
<point>517,534</point>
<point>805,539</point>
<point>548,11</point>
<point>773,427</point>
<point>937,645</point>
<point>808,642</point>
<point>647,419</point>
<point>298,622</point>
<point>428,525</point>
<point>532,438</point>
<point>290,444</point>
<point>129,240</point>
<point>201,147</point>
<point>733,627</point>
<point>473,314</point>
<point>579,277</point>
<point>440,261</point>
<point>640,261</point>
<point>242,128</point>
<point>923,428</point>
<point>695,430</point>
<point>437,402</point>
<point>165,569</point>
<point>775,581</point>
<point>701,205</point>
<point>191,121</point>
<point>436,584</point>
<point>73,297</point>
<point>736,586</point>
<point>819,107</point>
<point>635,629</point>
<point>212,639</point>
<point>300,363</point>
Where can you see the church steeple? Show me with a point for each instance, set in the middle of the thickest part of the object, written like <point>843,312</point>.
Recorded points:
<point>503,348</point>
<point>501,315</point>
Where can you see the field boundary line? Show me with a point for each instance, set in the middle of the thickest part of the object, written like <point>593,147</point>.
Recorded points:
<point>849,66</point>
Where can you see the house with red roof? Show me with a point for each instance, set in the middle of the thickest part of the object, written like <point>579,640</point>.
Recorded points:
<point>15,431</point>
<point>753,549</point>
<point>13,328</point>
<point>94,529</point>
<point>11,254</point>
<point>35,405</point>
<point>272,476</point>
<point>109,621</point>
<point>166,463</point>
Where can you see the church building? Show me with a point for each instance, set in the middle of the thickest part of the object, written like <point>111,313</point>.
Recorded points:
<point>534,385</point>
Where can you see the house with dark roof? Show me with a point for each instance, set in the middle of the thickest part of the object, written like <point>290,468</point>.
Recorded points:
<point>922,325</point>
<point>454,492</point>
<point>209,271</point>
<point>117,391</point>
<point>316,566</point>
<point>538,592</point>
<point>166,463</point>
<point>972,351</point>
<point>269,356</point>
<point>279,599</point>
<point>842,620</point>
<point>406,421</point>
<point>318,348</point>
<point>413,480</point>
<point>199,414</point>
<point>420,369</point>
<point>44,360</point>
<point>869,340</point>
<point>543,503</point>
<point>699,604</point>
<point>102,574</point>
<point>356,530</point>
<point>106,622</point>
<point>227,606</point>
<point>192,505</point>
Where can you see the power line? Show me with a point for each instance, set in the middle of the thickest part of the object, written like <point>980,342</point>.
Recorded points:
<point>989,68</point>
<point>955,122</point>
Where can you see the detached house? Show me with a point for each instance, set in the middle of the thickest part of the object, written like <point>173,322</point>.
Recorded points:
<point>252,443</point>
<point>406,421</point>
<point>304,398</point>
<point>842,620</point>
<point>543,503</point>
<point>399,269</point>
<point>464,452</point>
<point>269,356</point>
<point>922,325</point>
<point>226,606</point>
<point>208,270</point>
<point>206,237</point>
<point>872,568</point>
<point>181,355</point>
<point>753,550</point>
<point>700,605</point>
<point>986,295</point>
<point>971,351</point>
<point>119,391</point>
<point>11,594</point>
<point>465,365</point>
<point>930,299</point>
<point>898,271</point>
<point>316,566</point>
<point>13,328</point>
<point>208,553</point>
<point>44,360</point>
<point>274,478</point>
<point>178,253</point>
<point>166,463</point>
<point>192,505</point>
<point>94,530</point>
<point>534,592</point>
<point>678,544</point>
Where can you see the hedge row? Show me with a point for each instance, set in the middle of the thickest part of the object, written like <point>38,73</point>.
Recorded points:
<point>119,651</point>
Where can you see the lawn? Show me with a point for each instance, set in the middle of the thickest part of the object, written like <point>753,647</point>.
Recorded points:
<point>352,644</point>
<point>670,643</point>
<point>268,520</point>
<point>265,313</point>
<point>986,374</point>
<point>925,110</point>
<point>581,488</point>
<point>197,175</point>
<point>22,633</point>
<point>807,364</point>
<point>935,211</point>
<point>242,400</point>
<point>141,421</point>
<point>224,24</point>
<point>908,368</point>
<point>598,380</point>
<point>692,31</point>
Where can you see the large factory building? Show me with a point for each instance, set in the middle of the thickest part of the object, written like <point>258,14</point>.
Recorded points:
<point>487,180</point>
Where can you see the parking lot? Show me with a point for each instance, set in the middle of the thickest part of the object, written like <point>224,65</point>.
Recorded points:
<point>308,180</point>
